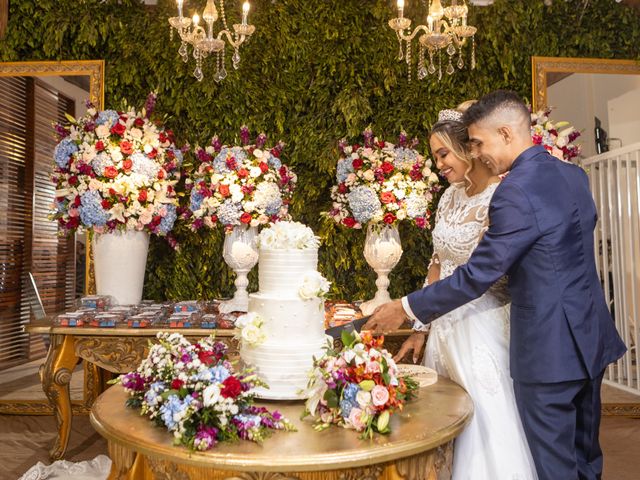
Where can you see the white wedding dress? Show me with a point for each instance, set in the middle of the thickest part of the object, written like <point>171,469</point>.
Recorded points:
<point>470,345</point>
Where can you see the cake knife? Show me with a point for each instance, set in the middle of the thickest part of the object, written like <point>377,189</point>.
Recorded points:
<point>336,332</point>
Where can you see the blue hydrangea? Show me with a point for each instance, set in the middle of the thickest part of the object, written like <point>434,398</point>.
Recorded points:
<point>229,213</point>
<point>152,396</point>
<point>364,203</point>
<point>63,151</point>
<point>177,155</point>
<point>107,117</point>
<point>220,162</point>
<point>219,373</point>
<point>166,224</point>
<point>274,162</point>
<point>172,406</point>
<point>100,162</point>
<point>416,206</point>
<point>267,197</point>
<point>405,158</point>
<point>91,211</point>
<point>350,392</point>
<point>144,165</point>
<point>239,154</point>
<point>346,406</point>
<point>196,200</point>
<point>60,206</point>
<point>345,167</point>
<point>249,421</point>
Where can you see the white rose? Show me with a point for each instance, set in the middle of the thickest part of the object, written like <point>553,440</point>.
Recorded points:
<point>147,148</point>
<point>433,178</point>
<point>102,131</point>
<point>313,286</point>
<point>401,214</point>
<point>136,133</point>
<point>369,175</point>
<point>211,395</point>
<point>258,153</point>
<point>399,193</point>
<point>252,334</point>
<point>255,172</point>
<point>363,398</point>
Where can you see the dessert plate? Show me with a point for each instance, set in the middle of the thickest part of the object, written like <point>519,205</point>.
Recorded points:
<point>423,375</point>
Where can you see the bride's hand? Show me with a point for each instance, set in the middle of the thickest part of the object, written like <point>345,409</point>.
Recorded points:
<point>413,343</point>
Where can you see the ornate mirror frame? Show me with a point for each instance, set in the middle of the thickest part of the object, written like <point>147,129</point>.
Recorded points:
<point>94,69</point>
<point>541,66</point>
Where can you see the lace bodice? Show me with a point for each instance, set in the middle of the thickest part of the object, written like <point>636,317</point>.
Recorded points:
<point>461,220</point>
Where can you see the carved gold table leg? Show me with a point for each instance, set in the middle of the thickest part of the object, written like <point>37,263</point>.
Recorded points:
<point>55,376</point>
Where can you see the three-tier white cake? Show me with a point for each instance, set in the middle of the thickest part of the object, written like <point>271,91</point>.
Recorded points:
<point>284,328</point>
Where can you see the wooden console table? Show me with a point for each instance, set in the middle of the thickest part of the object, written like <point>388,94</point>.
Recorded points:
<point>418,448</point>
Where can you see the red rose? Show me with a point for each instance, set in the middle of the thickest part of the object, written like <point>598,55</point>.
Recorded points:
<point>161,174</point>
<point>387,197</point>
<point>138,122</point>
<point>77,201</point>
<point>177,384</point>
<point>264,167</point>
<point>106,204</point>
<point>381,144</point>
<point>142,196</point>
<point>126,147</point>
<point>110,172</point>
<point>206,357</point>
<point>118,129</point>
<point>232,387</point>
<point>112,191</point>
<point>152,154</point>
<point>342,188</point>
<point>99,146</point>
<point>245,217</point>
<point>349,222</point>
<point>387,167</point>
<point>73,180</point>
<point>214,218</point>
<point>127,164</point>
<point>389,218</point>
<point>223,189</point>
<point>357,163</point>
<point>243,172</point>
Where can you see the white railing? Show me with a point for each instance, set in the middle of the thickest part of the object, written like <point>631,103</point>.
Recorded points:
<point>615,183</point>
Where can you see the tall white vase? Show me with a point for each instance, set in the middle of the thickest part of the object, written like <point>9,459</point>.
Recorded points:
<point>382,250</point>
<point>240,251</point>
<point>120,259</point>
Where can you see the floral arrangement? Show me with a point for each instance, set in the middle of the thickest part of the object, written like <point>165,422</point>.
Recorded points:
<point>116,170</point>
<point>288,236</point>
<point>382,183</point>
<point>239,185</point>
<point>193,391</point>
<point>557,138</point>
<point>357,387</point>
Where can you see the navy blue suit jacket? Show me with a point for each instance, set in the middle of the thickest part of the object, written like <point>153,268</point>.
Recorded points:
<point>542,217</point>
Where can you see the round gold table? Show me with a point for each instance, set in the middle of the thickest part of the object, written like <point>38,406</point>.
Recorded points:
<point>419,447</point>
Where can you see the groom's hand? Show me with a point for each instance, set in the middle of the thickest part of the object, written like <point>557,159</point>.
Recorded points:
<point>386,318</point>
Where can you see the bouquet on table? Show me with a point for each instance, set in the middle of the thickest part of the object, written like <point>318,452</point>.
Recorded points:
<point>239,185</point>
<point>116,171</point>
<point>557,137</point>
<point>193,391</point>
<point>382,183</point>
<point>357,387</point>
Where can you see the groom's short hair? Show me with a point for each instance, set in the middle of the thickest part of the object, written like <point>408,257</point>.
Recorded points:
<point>498,103</point>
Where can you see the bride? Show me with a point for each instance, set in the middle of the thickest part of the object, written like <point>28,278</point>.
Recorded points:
<point>470,345</point>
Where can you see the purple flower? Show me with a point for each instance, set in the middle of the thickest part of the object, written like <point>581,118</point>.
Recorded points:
<point>368,137</point>
<point>261,140</point>
<point>150,104</point>
<point>133,381</point>
<point>402,139</point>
<point>342,144</point>
<point>61,131</point>
<point>206,437</point>
<point>216,143</point>
<point>244,135</point>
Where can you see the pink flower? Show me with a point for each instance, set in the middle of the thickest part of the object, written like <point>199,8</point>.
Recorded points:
<point>73,212</point>
<point>372,367</point>
<point>379,395</point>
<point>355,418</point>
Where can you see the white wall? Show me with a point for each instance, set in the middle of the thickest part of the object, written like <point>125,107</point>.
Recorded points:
<point>70,90</point>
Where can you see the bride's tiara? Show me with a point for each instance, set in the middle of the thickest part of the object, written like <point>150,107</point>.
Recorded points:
<point>449,115</point>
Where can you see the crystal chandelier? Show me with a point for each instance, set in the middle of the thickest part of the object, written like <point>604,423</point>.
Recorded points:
<point>446,29</point>
<point>204,42</point>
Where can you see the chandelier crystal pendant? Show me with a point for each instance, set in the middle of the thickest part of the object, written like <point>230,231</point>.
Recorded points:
<point>446,29</point>
<point>204,42</point>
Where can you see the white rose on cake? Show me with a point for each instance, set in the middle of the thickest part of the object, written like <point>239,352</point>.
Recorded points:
<point>314,285</point>
<point>250,326</point>
<point>288,236</point>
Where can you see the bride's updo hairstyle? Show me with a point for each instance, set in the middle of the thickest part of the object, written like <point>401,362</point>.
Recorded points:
<point>452,133</point>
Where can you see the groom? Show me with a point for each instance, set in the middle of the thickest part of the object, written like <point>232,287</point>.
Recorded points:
<point>562,336</point>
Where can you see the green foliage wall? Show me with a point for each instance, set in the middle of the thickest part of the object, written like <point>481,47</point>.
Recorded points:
<point>314,72</point>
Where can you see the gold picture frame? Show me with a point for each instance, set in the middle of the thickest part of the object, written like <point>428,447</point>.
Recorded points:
<point>94,69</point>
<point>542,67</point>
